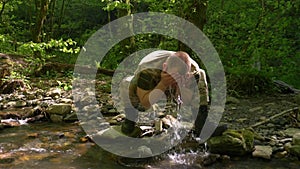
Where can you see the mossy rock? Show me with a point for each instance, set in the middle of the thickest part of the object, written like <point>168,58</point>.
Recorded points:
<point>232,142</point>
<point>295,150</point>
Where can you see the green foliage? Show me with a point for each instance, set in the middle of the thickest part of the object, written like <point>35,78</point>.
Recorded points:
<point>256,35</point>
<point>68,46</point>
<point>249,81</point>
<point>65,86</point>
<point>6,44</point>
<point>45,52</point>
<point>115,4</point>
<point>257,41</point>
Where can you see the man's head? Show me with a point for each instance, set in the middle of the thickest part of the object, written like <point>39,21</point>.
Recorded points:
<point>178,62</point>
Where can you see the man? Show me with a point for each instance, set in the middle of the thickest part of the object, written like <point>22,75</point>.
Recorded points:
<point>166,75</point>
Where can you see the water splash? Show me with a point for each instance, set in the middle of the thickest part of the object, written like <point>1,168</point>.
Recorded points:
<point>183,158</point>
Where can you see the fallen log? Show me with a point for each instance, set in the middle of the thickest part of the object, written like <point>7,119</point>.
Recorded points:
<point>285,88</point>
<point>61,67</point>
<point>294,110</point>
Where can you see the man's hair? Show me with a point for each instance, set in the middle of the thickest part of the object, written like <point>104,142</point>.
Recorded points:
<point>180,59</point>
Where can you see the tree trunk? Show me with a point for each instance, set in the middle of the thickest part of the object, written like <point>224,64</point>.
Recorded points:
<point>132,39</point>
<point>4,2</point>
<point>51,27</point>
<point>62,9</point>
<point>42,9</point>
<point>2,9</point>
<point>198,18</point>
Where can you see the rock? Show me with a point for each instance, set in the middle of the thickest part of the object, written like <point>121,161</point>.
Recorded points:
<point>90,108</point>
<point>11,104</point>
<point>64,100</point>
<point>11,86</point>
<point>71,117</point>
<point>10,123</point>
<point>287,146</point>
<point>241,120</point>
<point>47,98</point>
<point>30,96</point>
<point>109,133</point>
<point>119,118</point>
<point>6,158</point>
<point>262,152</point>
<point>169,121</point>
<point>20,104</point>
<point>281,154</point>
<point>290,132</point>
<point>33,102</point>
<point>85,100</point>
<point>286,140</point>
<point>54,92</point>
<point>60,109</point>
<point>232,142</point>
<point>33,135</point>
<point>295,150</point>
<point>56,118</point>
<point>296,139</point>
<point>233,100</point>
<point>210,159</point>
<point>144,151</point>
<point>256,109</point>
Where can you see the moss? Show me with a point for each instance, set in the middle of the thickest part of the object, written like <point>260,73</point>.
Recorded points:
<point>232,142</point>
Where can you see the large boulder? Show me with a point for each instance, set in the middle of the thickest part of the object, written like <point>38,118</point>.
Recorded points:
<point>232,142</point>
<point>294,149</point>
<point>58,111</point>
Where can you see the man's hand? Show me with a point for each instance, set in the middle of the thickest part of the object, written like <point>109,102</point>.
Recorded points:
<point>172,79</point>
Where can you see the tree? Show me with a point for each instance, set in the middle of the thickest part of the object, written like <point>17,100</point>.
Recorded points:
<point>3,2</point>
<point>41,14</point>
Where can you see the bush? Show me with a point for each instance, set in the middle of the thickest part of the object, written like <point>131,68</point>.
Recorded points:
<point>248,81</point>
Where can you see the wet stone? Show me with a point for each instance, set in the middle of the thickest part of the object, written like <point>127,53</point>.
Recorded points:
<point>11,104</point>
<point>30,96</point>
<point>54,92</point>
<point>6,158</point>
<point>20,104</point>
<point>65,100</point>
<point>56,118</point>
<point>33,135</point>
<point>281,154</point>
<point>47,98</point>
<point>61,109</point>
<point>71,117</point>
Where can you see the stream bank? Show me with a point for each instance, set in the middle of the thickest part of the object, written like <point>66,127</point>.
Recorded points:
<point>39,127</point>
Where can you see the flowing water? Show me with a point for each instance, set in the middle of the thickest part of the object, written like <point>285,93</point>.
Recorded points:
<point>48,146</point>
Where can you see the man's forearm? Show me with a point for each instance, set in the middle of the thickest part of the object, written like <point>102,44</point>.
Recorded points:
<point>148,98</point>
<point>186,95</point>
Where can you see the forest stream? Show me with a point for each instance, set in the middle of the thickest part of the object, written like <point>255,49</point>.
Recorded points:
<point>31,136</point>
